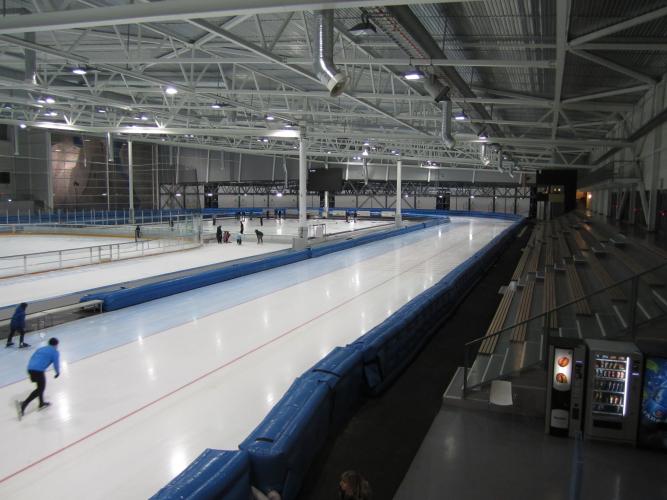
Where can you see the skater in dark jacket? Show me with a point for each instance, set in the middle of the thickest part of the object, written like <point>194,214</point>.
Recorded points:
<point>241,231</point>
<point>137,233</point>
<point>260,236</point>
<point>38,364</point>
<point>218,234</point>
<point>17,324</point>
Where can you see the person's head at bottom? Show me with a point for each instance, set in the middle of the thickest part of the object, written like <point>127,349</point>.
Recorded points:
<point>353,486</point>
<point>53,342</point>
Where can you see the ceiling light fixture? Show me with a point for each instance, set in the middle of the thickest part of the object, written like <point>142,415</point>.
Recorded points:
<point>460,116</point>
<point>79,70</point>
<point>363,28</point>
<point>170,90</point>
<point>270,118</point>
<point>216,105</point>
<point>483,136</point>
<point>22,125</point>
<point>413,74</point>
<point>101,110</point>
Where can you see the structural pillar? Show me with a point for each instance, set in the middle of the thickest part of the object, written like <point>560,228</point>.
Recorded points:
<point>130,181</point>
<point>303,177</point>
<point>397,214</point>
<point>325,211</point>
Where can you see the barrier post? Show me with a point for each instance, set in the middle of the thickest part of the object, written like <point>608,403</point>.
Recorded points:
<point>91,255</point>
<point>25,264</point>
<point>60,259</point>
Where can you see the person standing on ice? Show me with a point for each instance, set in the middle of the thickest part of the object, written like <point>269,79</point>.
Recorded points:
<point>137,233</point>
<point>239,238</point>
<point>260,236</point>
<point>241,230</point>
<point>38,364</point>
<point>218,234</point>
<point>17,324</point>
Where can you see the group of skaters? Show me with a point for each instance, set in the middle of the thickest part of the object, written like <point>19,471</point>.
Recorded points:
<point>350,215</point>
<point>39,362</point>
<point>224,236</point>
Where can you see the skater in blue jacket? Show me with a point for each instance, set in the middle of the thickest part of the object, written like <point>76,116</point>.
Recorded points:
<point>18,325</point>
<point>38,364</point>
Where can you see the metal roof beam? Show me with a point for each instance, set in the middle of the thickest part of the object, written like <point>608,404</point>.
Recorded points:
<point>172,10</point>
<point>650,47</point>
<point>361,61</point>
<point>609,93</point>
<point>614,66</point>
<point>624,25</point>
<point>562,25</point>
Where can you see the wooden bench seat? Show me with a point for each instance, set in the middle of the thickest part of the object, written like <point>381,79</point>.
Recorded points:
<point>579,240</point>
<point>549,296</point>
<point>518,271</point>
<point>523,313</point>
<point>489,344</point>
<point>576,288</point>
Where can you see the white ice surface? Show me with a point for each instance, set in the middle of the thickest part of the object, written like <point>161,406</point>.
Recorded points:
<point>290,227</point>
<point>127,420</point>
<point>28,243</point>
<point>54,283</point>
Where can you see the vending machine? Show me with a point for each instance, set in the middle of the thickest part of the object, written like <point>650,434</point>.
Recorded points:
<point>614,385</point>
<point>565,386</point>
<point>653,413</point>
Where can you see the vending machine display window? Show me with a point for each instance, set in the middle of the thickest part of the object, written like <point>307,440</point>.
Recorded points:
<point>611,384</point>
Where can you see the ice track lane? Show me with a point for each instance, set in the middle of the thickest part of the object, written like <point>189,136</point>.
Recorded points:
<point>201,369</point>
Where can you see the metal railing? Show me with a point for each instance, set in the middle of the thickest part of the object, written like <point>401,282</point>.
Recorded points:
<point>16,265</point>
<point>155,239</point>
<point>618,311</point>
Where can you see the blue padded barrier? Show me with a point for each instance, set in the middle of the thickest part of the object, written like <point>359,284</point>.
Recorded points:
<point>282,447</point>
<point>213,474</point>
<point>118,299</point>
<point>342,370</point>
<point>127,297</point>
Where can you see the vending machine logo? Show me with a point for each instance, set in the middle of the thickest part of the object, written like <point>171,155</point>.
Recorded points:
<point>562,380</point>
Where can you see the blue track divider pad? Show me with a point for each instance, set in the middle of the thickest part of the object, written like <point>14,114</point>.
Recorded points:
<point>213,474</point>
<point>282,447</point>
<point>279,451</point>
<point>119,299</point>
<point>343,371</point>
<point>390,346</point>
<point>127,297</point>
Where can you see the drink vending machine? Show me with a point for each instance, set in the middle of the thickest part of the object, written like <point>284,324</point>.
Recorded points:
<point>614,384</point>
<point>565,386</point>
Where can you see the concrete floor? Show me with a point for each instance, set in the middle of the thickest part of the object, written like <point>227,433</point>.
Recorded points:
<point>473,454</point>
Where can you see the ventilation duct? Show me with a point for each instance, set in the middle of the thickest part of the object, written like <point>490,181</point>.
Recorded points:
<point>446,132</point>
<point>435,89</point>
<point>334,80</point>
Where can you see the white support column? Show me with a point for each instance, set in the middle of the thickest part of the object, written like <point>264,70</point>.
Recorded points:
<point>303,177</point>
<point>130,181</point>
<point>398,217</point>
<point>325,211</point>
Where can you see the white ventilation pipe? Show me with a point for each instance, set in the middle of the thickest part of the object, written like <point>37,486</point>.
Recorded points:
<point>334,80</point>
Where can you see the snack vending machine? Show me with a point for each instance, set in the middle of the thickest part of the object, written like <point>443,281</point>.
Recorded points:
<point>565,386</point>
<point>653,414</point>
<point>614,385</point>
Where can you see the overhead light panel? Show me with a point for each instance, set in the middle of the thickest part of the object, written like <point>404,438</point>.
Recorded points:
<point>79,70</point>
<point>270,118</point>
<point>171,90</point>
<point>413,74</point>
<point>483,136</point>
<point>101,110</point>
<point>49,100</point>
<point>460,117</point>
<point>364,28</point>
<point>22,125</point>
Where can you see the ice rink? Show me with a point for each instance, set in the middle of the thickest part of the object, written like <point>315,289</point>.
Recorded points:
<point>19,244</point>
<point>54,283</point>
<point>289,227</point>
<point>145,389</point>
